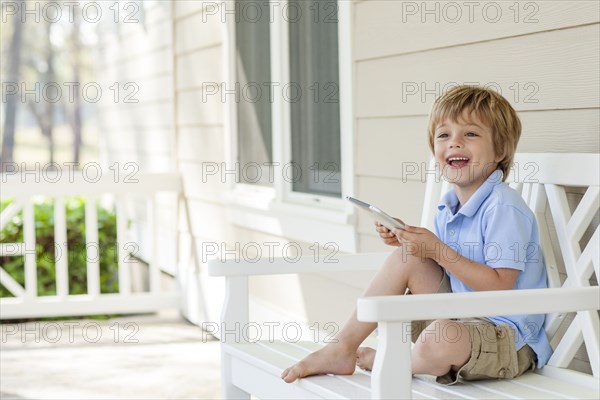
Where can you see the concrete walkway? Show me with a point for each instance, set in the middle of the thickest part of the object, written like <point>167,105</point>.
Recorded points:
<point>138,357</point>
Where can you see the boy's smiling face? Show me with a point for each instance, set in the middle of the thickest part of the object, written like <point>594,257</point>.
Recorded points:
<point>465,152</point>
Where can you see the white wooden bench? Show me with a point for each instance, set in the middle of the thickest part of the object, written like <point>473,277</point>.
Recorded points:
<point>255,368</point>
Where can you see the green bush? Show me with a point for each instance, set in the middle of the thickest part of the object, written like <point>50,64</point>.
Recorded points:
<point>75,248</point>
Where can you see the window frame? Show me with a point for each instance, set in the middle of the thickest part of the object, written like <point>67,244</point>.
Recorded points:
<point>246,202</point>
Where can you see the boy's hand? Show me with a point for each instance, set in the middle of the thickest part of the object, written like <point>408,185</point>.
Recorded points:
<point>419,242</point>
<point>386,235</point>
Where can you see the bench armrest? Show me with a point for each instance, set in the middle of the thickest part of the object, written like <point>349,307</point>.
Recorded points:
<point>308,264</point>
<point>236,273</point>
<point>477,304</point>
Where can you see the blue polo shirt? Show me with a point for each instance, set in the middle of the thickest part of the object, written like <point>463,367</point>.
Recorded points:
<point>495,227</point>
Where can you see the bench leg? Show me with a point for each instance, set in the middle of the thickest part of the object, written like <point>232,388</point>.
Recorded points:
<point>228,389</point>
<point>392,374</point>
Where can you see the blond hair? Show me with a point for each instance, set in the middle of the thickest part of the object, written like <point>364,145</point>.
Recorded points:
<point>491,108</point>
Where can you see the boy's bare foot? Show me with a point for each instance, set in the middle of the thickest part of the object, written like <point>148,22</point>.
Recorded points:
<point>331,359</point>
<point>365,356</point>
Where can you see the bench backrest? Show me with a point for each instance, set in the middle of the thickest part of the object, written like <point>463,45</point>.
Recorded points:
<point>547,183</point>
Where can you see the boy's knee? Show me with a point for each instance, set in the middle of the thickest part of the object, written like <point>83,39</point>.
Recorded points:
<point>398,254</point>
<point>440,338</point>
<point>398,259</point>
<point>402,256</point>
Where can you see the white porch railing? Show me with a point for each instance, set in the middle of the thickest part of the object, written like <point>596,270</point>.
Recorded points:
<point>27,303</point>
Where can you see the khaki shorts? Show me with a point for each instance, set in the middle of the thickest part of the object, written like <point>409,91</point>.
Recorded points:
<point>493,350</point>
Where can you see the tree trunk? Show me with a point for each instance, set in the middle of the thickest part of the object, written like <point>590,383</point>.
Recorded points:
<point>44,110</point>
<point>13,74</point>
<point>76,117</point>
<point>48,119</point>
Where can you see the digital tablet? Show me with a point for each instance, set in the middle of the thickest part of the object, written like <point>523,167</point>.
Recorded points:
<point>378,215</point>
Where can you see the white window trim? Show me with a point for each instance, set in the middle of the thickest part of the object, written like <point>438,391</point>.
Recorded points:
<point>278,210</point>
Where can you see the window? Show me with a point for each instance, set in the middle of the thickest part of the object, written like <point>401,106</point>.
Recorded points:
<point>315,117</point>
<point>252,73</point>
<point>287,115</point>
<point>289,130</point>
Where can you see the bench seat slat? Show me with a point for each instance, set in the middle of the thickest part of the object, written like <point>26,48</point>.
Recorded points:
<point>458,391</point>
<point>269,359</point>
<point>560,388</point>
<point>513,390</point>
<point>421,387</point>
<point>525,386</point>
<point>328,386</point>
<point>325,386</point>
<point>265,385</point>
<point>297,351</point>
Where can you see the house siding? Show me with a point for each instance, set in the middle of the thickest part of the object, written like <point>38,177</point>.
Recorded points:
<point>199,127</point>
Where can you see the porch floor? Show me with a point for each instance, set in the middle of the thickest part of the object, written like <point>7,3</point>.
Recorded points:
<point>131,357</point>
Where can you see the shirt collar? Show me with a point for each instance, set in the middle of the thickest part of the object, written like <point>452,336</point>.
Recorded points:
<point>450,199</point>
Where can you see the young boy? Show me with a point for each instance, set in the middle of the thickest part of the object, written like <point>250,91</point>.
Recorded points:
<point>486,239</point>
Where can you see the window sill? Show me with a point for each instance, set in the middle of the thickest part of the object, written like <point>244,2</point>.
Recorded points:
<point>261,211</point>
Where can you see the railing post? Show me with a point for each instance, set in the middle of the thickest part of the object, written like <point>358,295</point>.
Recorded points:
<point>30,250</point>
<point>153,270</point>
<point>124,273</point>
<point>61,251</point>
<point>91,241</point>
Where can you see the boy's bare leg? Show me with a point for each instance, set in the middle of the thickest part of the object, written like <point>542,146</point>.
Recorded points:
<point>399,272</point>
<point>442,346</point>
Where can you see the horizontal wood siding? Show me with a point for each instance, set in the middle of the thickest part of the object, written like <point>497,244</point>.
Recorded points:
<point>410,26</point>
